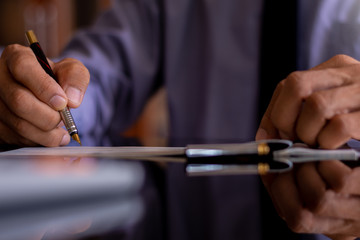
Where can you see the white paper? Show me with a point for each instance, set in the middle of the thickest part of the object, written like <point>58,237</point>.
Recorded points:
<point>146,153</point>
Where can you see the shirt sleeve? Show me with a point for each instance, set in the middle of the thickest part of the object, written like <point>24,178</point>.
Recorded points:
<point>122,54</point>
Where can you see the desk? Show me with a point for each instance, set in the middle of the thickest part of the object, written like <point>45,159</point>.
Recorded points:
<point>67,198</point>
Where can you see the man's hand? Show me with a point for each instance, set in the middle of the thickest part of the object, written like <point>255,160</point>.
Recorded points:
<point>320,107</point>
<point>30,99</point>
<point>321,197</point>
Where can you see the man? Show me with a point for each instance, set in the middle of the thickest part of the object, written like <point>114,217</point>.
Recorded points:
<point>206,53</point>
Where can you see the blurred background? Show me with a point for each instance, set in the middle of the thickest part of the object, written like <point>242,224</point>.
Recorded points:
<point>54,22</point>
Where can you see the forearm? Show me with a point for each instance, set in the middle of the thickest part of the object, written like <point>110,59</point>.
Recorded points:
<point>122,55</point>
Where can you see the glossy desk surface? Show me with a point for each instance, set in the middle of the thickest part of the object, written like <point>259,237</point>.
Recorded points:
<point>67,198</point>
<point>54,194</point>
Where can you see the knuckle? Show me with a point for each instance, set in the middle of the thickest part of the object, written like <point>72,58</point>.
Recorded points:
<point>318,104</point>
<point>282,126</point>
<point>300,222</point>
<point>72,68</point>
<point>46,86</point>
<point>320,205</point>
<point>340,130</point>
<point>18,63</point>
<point>19,102</point>
<point>18,58</point>
<point>11,49</point>
<point>295,84</point>
<point>19,125</point>
<point>304,136</point>
<point>342,58</point>
<point>52,122</point>
<point>340,124</point>
<point>294,78</point>
<point>324,206</point>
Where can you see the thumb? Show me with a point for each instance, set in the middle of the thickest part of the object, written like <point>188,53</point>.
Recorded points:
<point>74,78</point>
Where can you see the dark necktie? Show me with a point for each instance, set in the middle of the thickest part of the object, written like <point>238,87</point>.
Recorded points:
<point>278,59</point>
<point>278,46</point>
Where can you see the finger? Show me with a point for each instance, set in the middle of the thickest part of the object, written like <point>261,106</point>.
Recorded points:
<point>351,185</point>
<point>319,187</point>
<point>313,208</point>
<point>311,187</point>
<point>267,129</point>
<point>334,174</point>
<point>74,79</point>
<point>297,87</point>
<point>339,206</point>
<point>55,137</point>
<point>345,126</point>
<point>10,137</point>
<point>268,179</point>
<point>322,106</point>
<point>24,67</point>
<point>321,200</point>
<point>337,61</point>
<point>25,105</point>
<point>300,219</point>
<point>285,197</point>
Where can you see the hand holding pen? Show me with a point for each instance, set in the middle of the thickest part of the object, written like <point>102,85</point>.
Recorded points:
<point>64,112</point>
<point>30,100</point>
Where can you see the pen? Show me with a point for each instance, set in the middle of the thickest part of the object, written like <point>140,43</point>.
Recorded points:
<point>65,113</point>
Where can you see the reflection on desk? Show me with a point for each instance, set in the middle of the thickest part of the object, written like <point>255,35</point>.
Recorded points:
<point>67,198</point>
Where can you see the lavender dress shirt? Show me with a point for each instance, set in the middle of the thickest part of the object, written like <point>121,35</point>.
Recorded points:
<point>206,54</point>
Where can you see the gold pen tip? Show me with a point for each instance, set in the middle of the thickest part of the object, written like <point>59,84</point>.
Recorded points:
<point>76,138</point>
